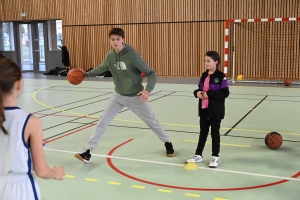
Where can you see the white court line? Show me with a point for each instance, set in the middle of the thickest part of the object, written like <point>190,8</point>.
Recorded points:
<point>181,165</point>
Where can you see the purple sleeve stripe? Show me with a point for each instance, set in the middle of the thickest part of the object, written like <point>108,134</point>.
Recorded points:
<point>224,84</point>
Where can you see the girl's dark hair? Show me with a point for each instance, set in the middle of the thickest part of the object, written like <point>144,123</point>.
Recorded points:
<point>215,56</point>
<point>10,73</point>
<point>116,31</point>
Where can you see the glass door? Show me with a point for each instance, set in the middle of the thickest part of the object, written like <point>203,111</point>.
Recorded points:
<point>32,46</point>
<point>25,47</point>
<point>39,46</point>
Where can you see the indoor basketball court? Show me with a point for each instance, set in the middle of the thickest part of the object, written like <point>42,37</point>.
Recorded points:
<point>258,48</point>
<point>130,162</point>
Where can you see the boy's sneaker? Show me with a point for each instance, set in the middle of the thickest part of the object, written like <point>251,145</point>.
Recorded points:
<point>85,156</point>
<point>195,159</point>
<point>169,149</point>
<point>214,161</point>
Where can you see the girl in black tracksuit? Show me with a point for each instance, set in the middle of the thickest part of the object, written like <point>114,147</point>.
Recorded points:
<point>212,91</point>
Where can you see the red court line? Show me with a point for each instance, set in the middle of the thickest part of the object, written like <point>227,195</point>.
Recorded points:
<point>186,188</point>
<point>47,141</point>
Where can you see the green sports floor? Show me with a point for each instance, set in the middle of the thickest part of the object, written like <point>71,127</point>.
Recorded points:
<point>130,161</point>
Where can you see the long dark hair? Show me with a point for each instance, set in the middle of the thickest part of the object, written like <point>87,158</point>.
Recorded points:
<point>10,73</point>
<point>215,56</point>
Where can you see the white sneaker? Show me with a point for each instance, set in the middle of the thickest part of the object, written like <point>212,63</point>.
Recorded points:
<point>195,159</point>
<point>214,161</point>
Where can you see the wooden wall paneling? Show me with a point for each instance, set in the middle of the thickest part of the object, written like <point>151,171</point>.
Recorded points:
<point>268,54</point>
<point>1,10</point>
<point>281,50</point>
<point>8,11</point>
<point>35,9</point>
<point>296,56</point>
<point>277,49</point>
<point>77,12</point>
<point>172,49</point>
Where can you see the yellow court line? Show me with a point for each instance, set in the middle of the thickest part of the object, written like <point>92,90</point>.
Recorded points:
<point>137,121</point>
<point>69,176</point>
<point>114,183</point>
<point>192,195</point>
<point>220,199</point>
<point>90,179</point>
<point>166,191</point>
<point>138,187</point>
<point>234,145</point>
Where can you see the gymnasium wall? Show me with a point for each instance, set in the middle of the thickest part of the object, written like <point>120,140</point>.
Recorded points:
<point>1,9</point>
<point>171,35</point>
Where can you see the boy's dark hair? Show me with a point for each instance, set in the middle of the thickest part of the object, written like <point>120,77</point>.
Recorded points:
<point>215,56</point>
<point>116,31</point>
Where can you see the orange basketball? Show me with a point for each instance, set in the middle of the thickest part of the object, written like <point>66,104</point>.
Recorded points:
<point>273,140</point>
<point>75,76</point>
<point>287,82</point>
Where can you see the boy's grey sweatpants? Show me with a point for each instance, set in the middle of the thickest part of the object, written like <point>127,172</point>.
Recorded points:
<point>116,103</point>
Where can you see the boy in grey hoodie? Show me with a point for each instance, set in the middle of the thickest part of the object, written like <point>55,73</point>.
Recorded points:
<point>126,66</point>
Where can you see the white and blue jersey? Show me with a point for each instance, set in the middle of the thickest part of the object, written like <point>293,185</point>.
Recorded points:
<point>17,181</point>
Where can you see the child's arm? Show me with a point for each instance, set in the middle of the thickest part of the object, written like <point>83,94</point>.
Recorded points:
<point>198,93</point>
<point>220,94</point>
<point>34,134</point>
<point>195,92</point>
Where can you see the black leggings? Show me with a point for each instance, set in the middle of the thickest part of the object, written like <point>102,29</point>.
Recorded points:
<point>205,123</point>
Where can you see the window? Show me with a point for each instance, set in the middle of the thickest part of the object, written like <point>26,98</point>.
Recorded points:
<point>8,43</point>
<point>55,35</point>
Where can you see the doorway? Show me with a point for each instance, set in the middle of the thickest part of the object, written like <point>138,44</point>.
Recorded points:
<point>31,46</point>
<point>34,45</point>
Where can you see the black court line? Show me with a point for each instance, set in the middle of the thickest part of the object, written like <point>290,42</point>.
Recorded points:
<point>77,117</point>
<point>247,137</point>
<point>81,87</point>
<point>76,90</point>
<point>151,100</point>
<point>70,122</point>
<point>178,131</point>
<point>80,101</point>
<point>245,115</point>
<point>70,129</point>
<point>72,102</point>
<point>49,115</point>
<point>271,95</point>
<point>89,122</point>
<point>285,100</point>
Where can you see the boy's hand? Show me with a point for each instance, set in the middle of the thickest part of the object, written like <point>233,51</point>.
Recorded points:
<point>144,95</point>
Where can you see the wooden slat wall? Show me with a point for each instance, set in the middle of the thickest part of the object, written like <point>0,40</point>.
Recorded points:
<point>172,49</point>
<point>35,9</point>
<point>1,10</point>
<point>76,12</point>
